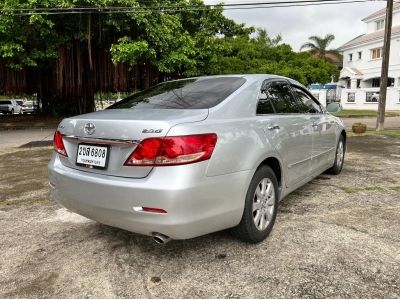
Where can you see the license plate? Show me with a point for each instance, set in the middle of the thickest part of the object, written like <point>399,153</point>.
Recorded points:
<point>92,156</point>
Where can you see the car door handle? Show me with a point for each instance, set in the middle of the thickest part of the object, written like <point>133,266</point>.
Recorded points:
<point>273,127</point>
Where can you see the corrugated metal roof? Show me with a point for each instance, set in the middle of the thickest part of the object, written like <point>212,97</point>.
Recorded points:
<point>369,37</point>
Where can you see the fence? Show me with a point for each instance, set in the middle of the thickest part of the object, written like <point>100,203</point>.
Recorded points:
<point>366,98</point>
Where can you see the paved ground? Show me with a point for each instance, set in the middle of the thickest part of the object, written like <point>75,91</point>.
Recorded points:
<point>338,236</point>
<point>17,138</point>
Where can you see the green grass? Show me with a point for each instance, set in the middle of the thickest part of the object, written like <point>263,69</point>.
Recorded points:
<point>356,113</point>
<point>391,132</point>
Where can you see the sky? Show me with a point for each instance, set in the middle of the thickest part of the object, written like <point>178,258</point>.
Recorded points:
<point>296,24</point>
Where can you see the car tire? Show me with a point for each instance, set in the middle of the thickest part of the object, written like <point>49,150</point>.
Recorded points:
<point>12,111</point>
<point>259,207</point>
<point>339,157</point>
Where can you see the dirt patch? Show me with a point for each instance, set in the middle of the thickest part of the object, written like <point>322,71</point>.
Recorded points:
<point>23,177</point>
<point>337,236</point>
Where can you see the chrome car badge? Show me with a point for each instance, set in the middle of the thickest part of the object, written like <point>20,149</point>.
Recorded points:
<point>89,128</point>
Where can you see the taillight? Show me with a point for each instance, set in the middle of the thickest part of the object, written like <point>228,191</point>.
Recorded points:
<point>175,150</point>
<point>59,144</point>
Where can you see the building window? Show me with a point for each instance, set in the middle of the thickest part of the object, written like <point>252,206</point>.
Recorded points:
<point>376,53</point>
<point>350,56</point>
<point>359,55</point>
<point>380,24</point>
<point>371,97</point>
<point>351,97</point>
<point>376,82</point>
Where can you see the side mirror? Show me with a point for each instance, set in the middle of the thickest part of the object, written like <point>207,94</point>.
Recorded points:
<point>334,107</point>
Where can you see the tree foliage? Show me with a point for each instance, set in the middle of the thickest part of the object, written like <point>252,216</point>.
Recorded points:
<point>319,46</point>
<point>71,55</point>
<point>263,54</point>
<point>181,43</point>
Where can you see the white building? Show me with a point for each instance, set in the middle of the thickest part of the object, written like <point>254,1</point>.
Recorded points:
<point>362,63</point>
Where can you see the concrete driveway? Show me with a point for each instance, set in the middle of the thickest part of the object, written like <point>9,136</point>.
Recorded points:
<point>337,236</point>
<point>17,138</point>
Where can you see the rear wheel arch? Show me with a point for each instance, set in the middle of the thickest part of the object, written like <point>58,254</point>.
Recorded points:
<point>276,166</point>
<point>344,134</point>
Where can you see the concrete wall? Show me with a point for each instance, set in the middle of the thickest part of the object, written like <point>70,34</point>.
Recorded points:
<point>320,95</point>
<point>392,99</point>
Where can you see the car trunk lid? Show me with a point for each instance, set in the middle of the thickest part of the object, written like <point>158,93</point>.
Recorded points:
<point>121,130</point>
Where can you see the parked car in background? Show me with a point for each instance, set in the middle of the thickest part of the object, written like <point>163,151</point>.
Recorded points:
<point>194,156</point>
<point>375,97</point>
<point>28,107</point>
<point>10,106</point>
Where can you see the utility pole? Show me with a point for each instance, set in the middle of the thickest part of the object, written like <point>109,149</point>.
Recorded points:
<point>380,122</point>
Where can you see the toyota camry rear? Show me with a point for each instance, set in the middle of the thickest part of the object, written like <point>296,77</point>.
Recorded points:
<point>194,156</point>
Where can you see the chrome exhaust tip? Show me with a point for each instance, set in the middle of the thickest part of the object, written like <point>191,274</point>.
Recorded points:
<point>160,238</point>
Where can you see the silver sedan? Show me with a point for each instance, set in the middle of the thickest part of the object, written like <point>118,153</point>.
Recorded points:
<point>194,156</point>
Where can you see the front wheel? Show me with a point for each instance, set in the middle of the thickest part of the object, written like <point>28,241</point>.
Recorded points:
<point>339,157</point>
<point>260,208</point>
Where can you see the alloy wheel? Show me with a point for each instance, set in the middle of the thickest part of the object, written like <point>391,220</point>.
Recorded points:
<point>340,154</point>
<point>263,204</point>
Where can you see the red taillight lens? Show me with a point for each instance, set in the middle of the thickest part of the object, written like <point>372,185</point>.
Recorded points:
<point>175,150</point>
<point>59,144</point>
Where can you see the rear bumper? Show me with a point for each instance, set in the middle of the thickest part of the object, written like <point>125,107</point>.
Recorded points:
<point>28,110</point>
<point>195,204</point>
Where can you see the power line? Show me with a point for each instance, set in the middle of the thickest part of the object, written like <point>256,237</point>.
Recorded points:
<point>160,9</point>
<point>174,6</point>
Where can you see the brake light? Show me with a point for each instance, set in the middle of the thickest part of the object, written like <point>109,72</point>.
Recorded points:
<point>59,144</point>
<point>171,151</point>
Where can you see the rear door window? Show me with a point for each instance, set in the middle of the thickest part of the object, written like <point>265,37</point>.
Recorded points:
<point>265,107</point>
<point>197,93</point>
<point>281,98</point>
<point>5,102</point>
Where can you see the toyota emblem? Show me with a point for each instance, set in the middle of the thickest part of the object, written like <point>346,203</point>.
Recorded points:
<point>89,128</point>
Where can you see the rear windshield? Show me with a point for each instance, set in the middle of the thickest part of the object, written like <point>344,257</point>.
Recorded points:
<point>197,93</point>
<point>5,102</point>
